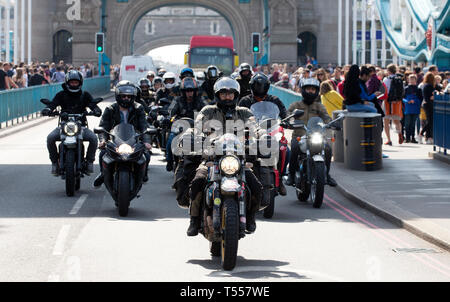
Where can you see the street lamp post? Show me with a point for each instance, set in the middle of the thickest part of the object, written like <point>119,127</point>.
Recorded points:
<point>8,29</point>
<point>29,32</point>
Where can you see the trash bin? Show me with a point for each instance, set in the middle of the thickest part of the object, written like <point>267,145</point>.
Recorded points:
<point>362,141</point>
<point>338,144</point>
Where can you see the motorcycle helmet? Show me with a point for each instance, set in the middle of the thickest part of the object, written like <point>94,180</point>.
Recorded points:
<point>309,98</point>
<point>260,85</point>
<point>126,93</point>
<point>150,76</point>
<point>156,81</point>
<point>186,72</point>
<point>169,80</point>
<point>70,79</point>
<point>189,84</point>
<point>243,67</point>
<point>227,84</point>
<point>161,72</point>
<point>144,85</point>
<point>212,73</point>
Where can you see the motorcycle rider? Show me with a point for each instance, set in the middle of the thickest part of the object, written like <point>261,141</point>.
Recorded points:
<point>259,85</point>
<point>227,93</point>
<point>167,91</point>
<point>146,97</point>
<point>186,105</point>
<point>72,100</point>
<point>312,107</point>
<point>212,74</point>
<point>160,71</point>
<point>124,110</point>
<point>245,75</point>
<point>185,72</point>
<point>151,76</point>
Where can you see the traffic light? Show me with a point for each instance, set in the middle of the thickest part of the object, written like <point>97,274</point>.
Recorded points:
<point>99,42</point>
<point>256,42</point>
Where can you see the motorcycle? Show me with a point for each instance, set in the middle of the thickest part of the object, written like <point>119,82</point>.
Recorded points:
<point>310,176</point>
<point>267,116</point>
<point>226,199</point>
<point>159,117</point>
<point>72,162</point>
<point>124,164</point>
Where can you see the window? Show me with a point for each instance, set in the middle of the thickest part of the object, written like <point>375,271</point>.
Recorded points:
<point>215,28</point>
<point>150,28</point>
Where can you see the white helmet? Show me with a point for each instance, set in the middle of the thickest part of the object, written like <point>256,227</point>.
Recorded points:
<point>169,76</point>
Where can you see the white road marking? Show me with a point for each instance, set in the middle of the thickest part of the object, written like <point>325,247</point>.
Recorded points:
<point>78,204</point>
<point>61,240</point>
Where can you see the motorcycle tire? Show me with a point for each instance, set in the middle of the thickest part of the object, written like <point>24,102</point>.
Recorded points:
<point>268,212</point>
<point>70,172</point>
<point>215,248</point>
<point>319,173</point>
<point>124,192</point>
<point>230,233</point>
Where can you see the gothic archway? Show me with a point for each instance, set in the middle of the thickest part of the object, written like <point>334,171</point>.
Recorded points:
<point>62,46</point>
<point>307,46</point>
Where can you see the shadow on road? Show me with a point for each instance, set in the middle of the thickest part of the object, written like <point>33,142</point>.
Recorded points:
<point>248,269</point>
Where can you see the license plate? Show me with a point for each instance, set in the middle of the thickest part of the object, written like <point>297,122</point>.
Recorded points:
<point>70,140</point>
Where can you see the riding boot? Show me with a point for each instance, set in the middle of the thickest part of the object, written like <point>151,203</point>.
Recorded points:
<point>193,226</point>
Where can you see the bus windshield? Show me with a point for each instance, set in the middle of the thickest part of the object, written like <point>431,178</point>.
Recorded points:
<point>202,57</point>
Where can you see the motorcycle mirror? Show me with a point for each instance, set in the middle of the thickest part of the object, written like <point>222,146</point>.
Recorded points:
<point>99,130</point>
<point>298,113</point>
<point>151,131</point>
<point>45,101</point>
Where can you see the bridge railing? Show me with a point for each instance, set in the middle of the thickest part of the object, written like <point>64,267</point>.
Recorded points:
<point>18,105</point>
<point>285,95</point>
<point>441,122</point>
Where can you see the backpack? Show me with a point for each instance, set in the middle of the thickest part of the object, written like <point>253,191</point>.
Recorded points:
<point>396,90</point>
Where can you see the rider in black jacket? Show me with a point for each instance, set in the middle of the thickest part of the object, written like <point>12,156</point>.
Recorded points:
<point>260,85</point>
<point>125,110</point>
<point>72,100</point>
<point>186,105</point>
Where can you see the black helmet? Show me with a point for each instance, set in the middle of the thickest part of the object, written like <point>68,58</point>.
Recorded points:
<point>309,98</point>
<point>126,88</point>
<point>212,73</point>
<point>260,84</point>
<point>227,84</point>
<point>74,75</point>
<point>158,80</point>
<point>243,67</point>
<point>189,84</point>
<point>186,72</point>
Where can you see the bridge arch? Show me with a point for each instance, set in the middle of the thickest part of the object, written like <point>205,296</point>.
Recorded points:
<point>136,10</point>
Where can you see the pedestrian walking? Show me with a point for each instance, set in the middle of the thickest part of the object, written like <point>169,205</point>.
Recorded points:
<point>428,100</point>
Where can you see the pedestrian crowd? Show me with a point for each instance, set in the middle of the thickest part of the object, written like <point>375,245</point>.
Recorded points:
<point>403,96</point>
<point>16,76</point>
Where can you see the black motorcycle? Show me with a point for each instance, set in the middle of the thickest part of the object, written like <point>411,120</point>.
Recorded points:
<point>310,176</point>
<point>72,162</point>
<point>226,199</point>
<point>124,164</point>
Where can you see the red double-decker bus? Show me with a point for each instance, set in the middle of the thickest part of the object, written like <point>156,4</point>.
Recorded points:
<point>212,50</point>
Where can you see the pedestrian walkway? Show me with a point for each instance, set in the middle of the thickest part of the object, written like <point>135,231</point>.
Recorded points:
<point>412,190</point>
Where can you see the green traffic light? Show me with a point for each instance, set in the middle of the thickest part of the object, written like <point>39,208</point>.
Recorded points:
<point>99,48</point>
<point>255,49</point>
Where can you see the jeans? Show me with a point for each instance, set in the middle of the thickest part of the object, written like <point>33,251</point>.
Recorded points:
<point>362,108</point>
<point>55,136</point>
<point>410,125</point>
<point>169,154</point>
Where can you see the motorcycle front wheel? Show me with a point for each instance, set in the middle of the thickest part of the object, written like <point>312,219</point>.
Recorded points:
<point>124,192</point>
<point>319,186</point>
<point>268,212</point>
<point>230,233</point>
<point>70,168</point>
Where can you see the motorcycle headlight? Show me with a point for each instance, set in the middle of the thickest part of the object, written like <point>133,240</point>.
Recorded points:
<point>125,149</point>
<point>316,139</point>
<point>230,165</point>
<point>71,129</point>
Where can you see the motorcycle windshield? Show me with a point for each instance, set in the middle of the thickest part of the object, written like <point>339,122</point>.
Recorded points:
<point>229,144</point>
<point>124,134</point>
<point>315,124</point>
<point>265,111</point>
